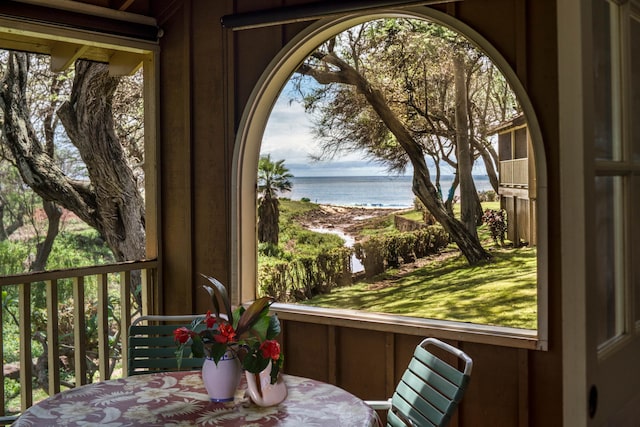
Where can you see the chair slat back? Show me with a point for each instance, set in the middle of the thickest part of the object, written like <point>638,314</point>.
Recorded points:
<point>430,389</point>
<point>153,348</point>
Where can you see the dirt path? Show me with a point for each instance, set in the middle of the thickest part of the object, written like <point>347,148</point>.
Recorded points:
<point>350,220</point>
<point>342,218</point>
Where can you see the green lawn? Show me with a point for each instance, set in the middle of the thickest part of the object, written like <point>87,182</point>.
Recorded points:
<point>500,293</point>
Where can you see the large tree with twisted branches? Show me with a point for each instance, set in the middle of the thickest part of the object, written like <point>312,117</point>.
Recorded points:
<point>404,91</point>
<point>108,198</point>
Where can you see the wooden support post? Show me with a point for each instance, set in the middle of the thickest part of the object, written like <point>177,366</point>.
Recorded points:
<point>53,342</point>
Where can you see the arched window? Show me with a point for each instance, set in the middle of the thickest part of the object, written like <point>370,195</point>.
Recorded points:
<point>517,137</point>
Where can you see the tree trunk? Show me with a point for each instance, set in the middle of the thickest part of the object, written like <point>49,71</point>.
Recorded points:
<point>88,120</point>
<point>452,194</point>
<point>110,202</point>
<point>423,187</point>
<point>54,213</point>
<point>16,218</point>
<point>489,163</point>
<point>468,192</point>
<point>268,216</point>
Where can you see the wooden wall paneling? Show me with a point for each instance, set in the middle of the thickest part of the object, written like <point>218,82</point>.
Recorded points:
<point>175,163</point>
<point>390,362</point>
<point>520,22</point>
<point>361,362</point>
<point>523,388</point>
<point>545,368</point>
<point>305,347</point>
<point>211,175</point>
<point>332,355</point>
<point>545,387</point>
<point>496,22</point>
<point>254,49</point>
<point>492,395</point>
<point>290,30</point>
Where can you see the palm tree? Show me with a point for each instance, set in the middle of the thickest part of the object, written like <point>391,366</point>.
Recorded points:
<point>273,177</point>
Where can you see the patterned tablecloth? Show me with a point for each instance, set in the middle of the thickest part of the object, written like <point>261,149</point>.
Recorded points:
<point>179,399</point>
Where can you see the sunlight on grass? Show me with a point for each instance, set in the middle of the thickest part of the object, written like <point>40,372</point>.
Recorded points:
<point>501,293</point>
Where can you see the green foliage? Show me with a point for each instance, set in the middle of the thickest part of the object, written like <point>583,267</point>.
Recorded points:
<point>305,276</point>
<point>310,242</point>
<point>10,332</point>
<point>85,248</point>
<point>488,196</point>
<point>378,253</point>
<point>496,221</point>
<point>501,293</point>
<point>273,177</point>
<point>12,257</point>
<point>270,250</point>
<point>70,250</point>
<point>372,255</point>
<point>11,388</point>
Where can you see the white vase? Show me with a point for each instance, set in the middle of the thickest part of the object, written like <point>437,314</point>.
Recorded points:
<point>222,381</point>
<point>260,389</point>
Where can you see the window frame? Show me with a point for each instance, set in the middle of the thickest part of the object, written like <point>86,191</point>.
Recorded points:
<point>244,182</point>
<point>623,168</point>
<point>125,55</point>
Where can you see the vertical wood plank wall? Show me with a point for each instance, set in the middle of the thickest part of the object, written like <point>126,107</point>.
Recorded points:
<point>207,75</point>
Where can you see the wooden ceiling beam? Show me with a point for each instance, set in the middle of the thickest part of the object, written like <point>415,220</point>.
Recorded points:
<point>316,10</point>
<point>65,54</point>
<point>124,63</point>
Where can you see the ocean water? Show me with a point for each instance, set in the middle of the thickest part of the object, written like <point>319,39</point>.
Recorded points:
<point>368,191</point>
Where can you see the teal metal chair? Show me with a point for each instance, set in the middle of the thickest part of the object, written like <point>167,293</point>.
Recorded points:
<point>152,346</point>
<point>430,389</point>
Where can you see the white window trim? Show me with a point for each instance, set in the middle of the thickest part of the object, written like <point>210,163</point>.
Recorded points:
<point>244,184</point>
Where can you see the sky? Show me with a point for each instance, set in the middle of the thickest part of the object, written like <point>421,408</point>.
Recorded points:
<point>288,136</point>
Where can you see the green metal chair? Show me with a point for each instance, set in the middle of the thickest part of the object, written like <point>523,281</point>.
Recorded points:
<point>152,346</point>
<point>430,389</point>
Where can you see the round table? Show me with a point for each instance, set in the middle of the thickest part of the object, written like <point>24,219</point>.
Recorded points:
<point>179,399</point>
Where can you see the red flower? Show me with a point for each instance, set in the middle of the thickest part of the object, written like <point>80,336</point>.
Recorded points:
<point>182,335</point>
<point>210,320</point>
<point>270,349</point>
<point>226,334</point>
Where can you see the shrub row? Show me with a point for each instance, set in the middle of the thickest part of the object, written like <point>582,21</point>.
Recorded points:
<point>299,278</point>
<point>380,253</point>
<point>303,277</point>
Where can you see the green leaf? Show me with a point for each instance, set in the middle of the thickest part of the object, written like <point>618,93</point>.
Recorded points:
<point>275,368</point>
<point>197,347</point>
<point>217,351</point>
<point>254,362</point>
<point>274,327</point>
<point>252,314</point>
<point>237,314</point>
<point>261,327</point>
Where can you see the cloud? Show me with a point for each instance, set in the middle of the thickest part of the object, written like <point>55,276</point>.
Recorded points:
<point>337,168</point>
<point>288,135</point>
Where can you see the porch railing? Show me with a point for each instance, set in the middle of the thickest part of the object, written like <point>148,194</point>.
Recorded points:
<point>514,172</point>
<point>111,307</point>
